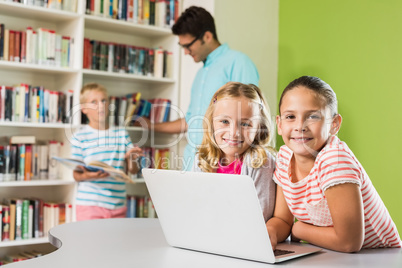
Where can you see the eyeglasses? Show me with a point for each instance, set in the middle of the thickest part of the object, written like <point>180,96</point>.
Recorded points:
<point>187,46</point>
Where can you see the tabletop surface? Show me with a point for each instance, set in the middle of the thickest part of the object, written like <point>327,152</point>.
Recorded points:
<point>141,243</point>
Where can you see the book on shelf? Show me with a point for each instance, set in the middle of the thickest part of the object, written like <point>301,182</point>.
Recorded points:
<point>26,218</point>
<point>94,166</point>
<point>140,207</point>
<point>124,58</point>
<point>26,103</point>
<point>162,13</point>
<point>23,160</point>
<point>42,46</point>
<point>66,5</point>
<point>22,139</point>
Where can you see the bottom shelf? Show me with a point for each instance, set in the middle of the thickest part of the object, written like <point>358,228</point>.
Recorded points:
<point>24,242</point>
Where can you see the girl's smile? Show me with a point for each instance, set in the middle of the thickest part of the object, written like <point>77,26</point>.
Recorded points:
<point>235,124</point>
<point>305,122</point>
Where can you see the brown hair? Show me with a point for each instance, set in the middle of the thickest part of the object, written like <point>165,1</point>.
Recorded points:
<point>318,86</point>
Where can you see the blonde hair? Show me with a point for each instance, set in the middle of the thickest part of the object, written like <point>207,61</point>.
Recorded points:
<point>209,152</point>
<point>88,87</point>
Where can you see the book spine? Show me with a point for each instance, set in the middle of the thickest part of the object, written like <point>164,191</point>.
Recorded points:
<point>1,41</point>
<point>57,55</point>
<point>30,221</point>
<point>11,46</point>
<point>17,46</point>
<point>21,160</point>
<point>23,46</point>
<point>18,219</point>
<point>25,219</point>
<point>6,224</point>
<point>54,148</point>
<point>43,162</point>
<point>145,12</point>
<point>6,44</point>
<point>28,162</point>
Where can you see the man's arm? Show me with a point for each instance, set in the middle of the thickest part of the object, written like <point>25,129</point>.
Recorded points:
<point>173,127</point>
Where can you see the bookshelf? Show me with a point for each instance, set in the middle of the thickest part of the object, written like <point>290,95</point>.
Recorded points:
<point>78,26</point>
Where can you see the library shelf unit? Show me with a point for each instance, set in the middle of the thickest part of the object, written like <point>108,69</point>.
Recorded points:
<point>78,25</point>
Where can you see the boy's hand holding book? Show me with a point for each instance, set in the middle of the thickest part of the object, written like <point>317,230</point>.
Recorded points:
<point>83,174</point>
<point>132,156</point>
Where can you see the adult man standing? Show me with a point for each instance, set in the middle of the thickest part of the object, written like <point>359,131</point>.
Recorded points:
<point>196,31</point>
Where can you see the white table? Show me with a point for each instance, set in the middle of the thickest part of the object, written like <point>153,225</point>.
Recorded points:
<point>140,243</point>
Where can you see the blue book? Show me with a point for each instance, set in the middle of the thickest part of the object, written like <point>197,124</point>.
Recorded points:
<point>41,105</point>
<point>167,111</point>
<point>21,166</point>
<point>27,100</point>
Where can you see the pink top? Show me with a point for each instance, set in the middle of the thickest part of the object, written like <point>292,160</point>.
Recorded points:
<point>232,168</point>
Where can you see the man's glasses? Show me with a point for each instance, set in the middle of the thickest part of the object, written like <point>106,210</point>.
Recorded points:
<point>187,46</point>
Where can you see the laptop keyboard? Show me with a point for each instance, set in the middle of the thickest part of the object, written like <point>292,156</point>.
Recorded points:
<point>279,252</point>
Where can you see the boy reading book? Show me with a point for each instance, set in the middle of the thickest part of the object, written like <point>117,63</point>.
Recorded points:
<point>99,194</point>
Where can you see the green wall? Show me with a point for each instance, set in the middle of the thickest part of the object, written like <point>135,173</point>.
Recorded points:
<point>356,47</point>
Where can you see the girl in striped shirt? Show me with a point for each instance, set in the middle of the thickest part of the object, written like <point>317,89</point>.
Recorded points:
<point>319,180</point>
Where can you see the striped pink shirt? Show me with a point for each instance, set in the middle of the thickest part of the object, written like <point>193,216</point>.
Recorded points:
<point>335,164</point>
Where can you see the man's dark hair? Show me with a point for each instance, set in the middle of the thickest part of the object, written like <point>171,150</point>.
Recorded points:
<point>195,21</point>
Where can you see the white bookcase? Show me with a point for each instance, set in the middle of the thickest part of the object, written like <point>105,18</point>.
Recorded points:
<point>78,25</point>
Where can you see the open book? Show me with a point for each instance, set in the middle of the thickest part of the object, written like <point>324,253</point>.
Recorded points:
<point>94,166</point>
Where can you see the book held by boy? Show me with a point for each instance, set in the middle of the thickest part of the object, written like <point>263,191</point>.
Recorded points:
<point>95,166</point>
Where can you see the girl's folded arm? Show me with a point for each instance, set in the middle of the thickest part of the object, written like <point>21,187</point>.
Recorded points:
<point>280,224</point>
<point>347,234</point>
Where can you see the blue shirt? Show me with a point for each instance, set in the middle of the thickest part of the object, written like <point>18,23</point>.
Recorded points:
<point>221,66</point>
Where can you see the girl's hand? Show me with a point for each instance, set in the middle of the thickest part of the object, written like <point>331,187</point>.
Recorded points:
<point>295,229</point>
<point>272,237</point>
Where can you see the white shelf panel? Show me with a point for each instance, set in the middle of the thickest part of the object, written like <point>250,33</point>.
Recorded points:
<point>24,242</point>
<point>36,13</point>
<point>18,66</point>
<point>36,183</point>
<point>95,74</point>
<point>37,125</point>
<point>108,24</point>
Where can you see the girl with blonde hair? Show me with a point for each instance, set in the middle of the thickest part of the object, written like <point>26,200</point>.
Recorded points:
<point>237,132</point>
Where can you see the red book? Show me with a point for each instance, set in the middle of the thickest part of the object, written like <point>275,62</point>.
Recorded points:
<point>5,223</point>
<point>23,46</point>
<point>17,46</point>
<point>11,46</point>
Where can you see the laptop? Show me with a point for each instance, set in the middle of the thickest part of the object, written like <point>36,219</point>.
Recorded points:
<point>215,213</point>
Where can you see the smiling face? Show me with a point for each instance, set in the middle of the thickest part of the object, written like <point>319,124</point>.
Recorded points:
<point>305,123</point>
<point>96,108</point>
<point>235,124</point>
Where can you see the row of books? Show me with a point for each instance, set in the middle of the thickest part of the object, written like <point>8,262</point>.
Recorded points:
<point>125,110</point>
<point>140,207</point>
<point>161,13</point>
<point>123,58</point>
<point>27,218</point>
<point>43,47</point>
<point>20,257</point>
<point>67,5</point>
<point>158,158</point>
<point>36,104</point>
<point>131,106</point>
<point>25,162</point>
